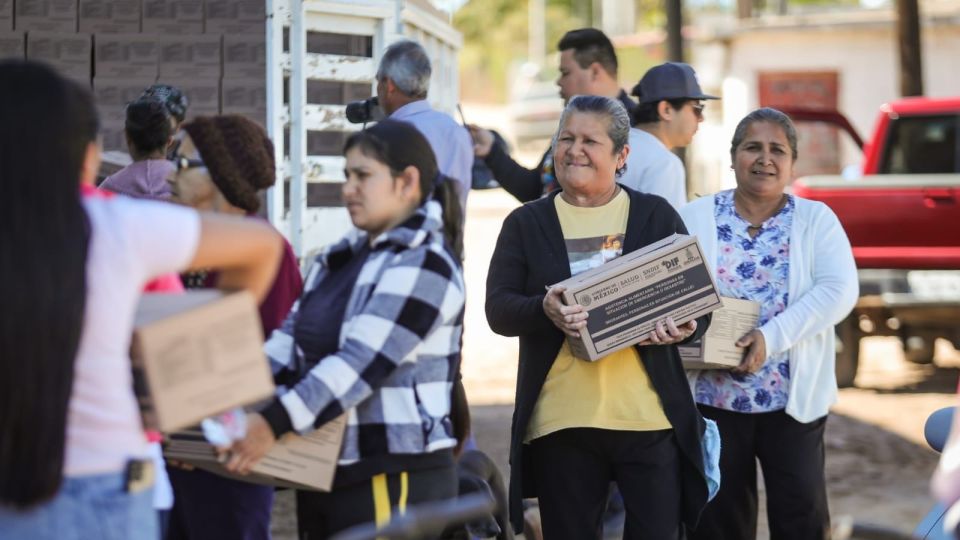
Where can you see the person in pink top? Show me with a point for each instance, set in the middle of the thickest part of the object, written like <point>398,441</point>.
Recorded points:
<point>73,456</point>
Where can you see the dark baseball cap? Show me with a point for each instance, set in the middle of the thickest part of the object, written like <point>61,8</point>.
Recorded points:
<point>670,80</point>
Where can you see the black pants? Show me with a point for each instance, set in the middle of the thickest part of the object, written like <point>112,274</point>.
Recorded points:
<point>211,507</point>
<point>321,515</point>
<point>791,456</point>
<point>574,468</point>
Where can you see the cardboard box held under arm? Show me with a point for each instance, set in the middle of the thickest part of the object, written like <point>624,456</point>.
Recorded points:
<point>295,461</point>
<point>628,295</point>
<point>196,355</point>
<point>718,347</point>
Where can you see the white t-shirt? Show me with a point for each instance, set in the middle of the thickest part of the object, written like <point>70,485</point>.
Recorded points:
<point>652,168</point>
<point>131,242</point>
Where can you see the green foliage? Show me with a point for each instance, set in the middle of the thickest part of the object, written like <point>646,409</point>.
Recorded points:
<point>495,41</point>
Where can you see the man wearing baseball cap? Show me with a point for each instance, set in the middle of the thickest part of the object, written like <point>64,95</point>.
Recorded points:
<point>669,113</point>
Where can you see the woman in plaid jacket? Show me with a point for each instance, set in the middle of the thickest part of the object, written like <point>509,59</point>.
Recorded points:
<point>375,336</point>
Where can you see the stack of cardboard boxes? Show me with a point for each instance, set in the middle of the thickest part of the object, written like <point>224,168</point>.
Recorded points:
<point>213,50</point>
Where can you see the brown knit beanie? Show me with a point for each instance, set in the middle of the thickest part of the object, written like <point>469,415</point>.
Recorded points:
<point>238,154</point>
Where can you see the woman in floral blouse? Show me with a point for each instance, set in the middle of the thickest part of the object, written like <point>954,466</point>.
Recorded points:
<point>792,257</point>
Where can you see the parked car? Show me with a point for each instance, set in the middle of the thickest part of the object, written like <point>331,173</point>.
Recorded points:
<point>903,220</point>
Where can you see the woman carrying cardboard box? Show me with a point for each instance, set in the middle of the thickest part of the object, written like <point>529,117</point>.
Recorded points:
<point>221,164</point>
<point>628,417</point>
<point>73,456</point>
<point>792,257</point>
<point>375,336</point>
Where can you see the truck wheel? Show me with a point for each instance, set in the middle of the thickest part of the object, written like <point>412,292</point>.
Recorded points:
<point>848,352</point>
<point>919,349</point>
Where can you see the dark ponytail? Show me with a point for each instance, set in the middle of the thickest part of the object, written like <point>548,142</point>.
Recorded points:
<point>48,124</point>
<point>399,145</point>
<point>445,192</point>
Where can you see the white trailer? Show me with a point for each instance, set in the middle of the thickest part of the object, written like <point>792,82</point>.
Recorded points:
<point>312,216</point>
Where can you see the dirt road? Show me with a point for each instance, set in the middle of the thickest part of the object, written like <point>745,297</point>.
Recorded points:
<point>878,467</point>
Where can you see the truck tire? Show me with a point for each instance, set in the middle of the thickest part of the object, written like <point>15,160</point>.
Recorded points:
<point>919,348</point>
<point>848,352</point>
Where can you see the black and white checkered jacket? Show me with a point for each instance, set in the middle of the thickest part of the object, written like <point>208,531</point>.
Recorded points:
<point>399,346</point>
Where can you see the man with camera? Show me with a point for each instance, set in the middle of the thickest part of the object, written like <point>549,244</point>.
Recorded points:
<point>588,66</point>
<point>402,82</point>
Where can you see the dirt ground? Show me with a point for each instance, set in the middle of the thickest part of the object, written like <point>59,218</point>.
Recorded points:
<point>878,467</point>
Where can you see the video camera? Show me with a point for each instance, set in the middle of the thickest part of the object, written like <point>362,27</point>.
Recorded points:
<point>367,110</point>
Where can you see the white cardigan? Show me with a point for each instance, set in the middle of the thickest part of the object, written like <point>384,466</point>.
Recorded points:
<point>823,288</point>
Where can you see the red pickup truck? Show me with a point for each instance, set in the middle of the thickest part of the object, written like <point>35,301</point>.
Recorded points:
<point>903,220</point>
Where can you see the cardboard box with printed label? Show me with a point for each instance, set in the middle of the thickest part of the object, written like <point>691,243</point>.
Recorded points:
<point>113,134</point>
<point>628,295</point>
<point>204,94</point>
<point>109,16</point>
<point>112,95</point>
<point>70,54</point>
<point>13,45</point>
<point>717,349</point>
<point>45,15</point>
<point>244,56</point>
<point>197,354</point>
<point>247,17</point>
<point>6,16</point>
<point>172,17</point>
<point>196,57</point>
<point>126,56</point>
<point>295,461</point>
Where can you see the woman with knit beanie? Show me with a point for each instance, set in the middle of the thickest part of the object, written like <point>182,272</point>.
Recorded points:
<point>375,337</point>
<point>222,163</point>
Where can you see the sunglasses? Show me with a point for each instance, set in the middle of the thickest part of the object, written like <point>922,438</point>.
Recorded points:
<point>698,109</point>
<point>182,163</point>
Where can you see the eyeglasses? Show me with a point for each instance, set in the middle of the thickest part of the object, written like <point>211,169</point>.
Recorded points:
<point>182,163</point>
<point>697,109</point>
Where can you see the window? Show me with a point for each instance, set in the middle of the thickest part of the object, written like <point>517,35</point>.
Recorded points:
<point>922,145</point>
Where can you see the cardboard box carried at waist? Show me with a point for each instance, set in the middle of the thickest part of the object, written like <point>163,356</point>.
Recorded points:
<point>197,354</point>
<point>296,461</point>
<point>628,295</point>
<point>717,349</point>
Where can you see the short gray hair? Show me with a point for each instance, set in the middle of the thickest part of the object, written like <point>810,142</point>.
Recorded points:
<point>772,116</point>
<point>618,120</point>
<point>406,64</point>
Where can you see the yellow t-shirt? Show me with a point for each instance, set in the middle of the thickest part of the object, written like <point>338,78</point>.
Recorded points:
<point>614,392</point>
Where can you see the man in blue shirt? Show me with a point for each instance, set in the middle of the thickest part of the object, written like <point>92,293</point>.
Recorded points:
<point>403,79</point>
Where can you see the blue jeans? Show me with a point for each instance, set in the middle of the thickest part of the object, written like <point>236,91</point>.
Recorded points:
<point>95,506</point>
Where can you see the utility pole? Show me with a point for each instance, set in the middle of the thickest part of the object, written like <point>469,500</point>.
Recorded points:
<point>674,9</point>
<point>911,58</point>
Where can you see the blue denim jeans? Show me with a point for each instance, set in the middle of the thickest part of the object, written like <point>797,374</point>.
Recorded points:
<point>95,506</point>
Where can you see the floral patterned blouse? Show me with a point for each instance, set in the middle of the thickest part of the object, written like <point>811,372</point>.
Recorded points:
<point>755,269</point>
